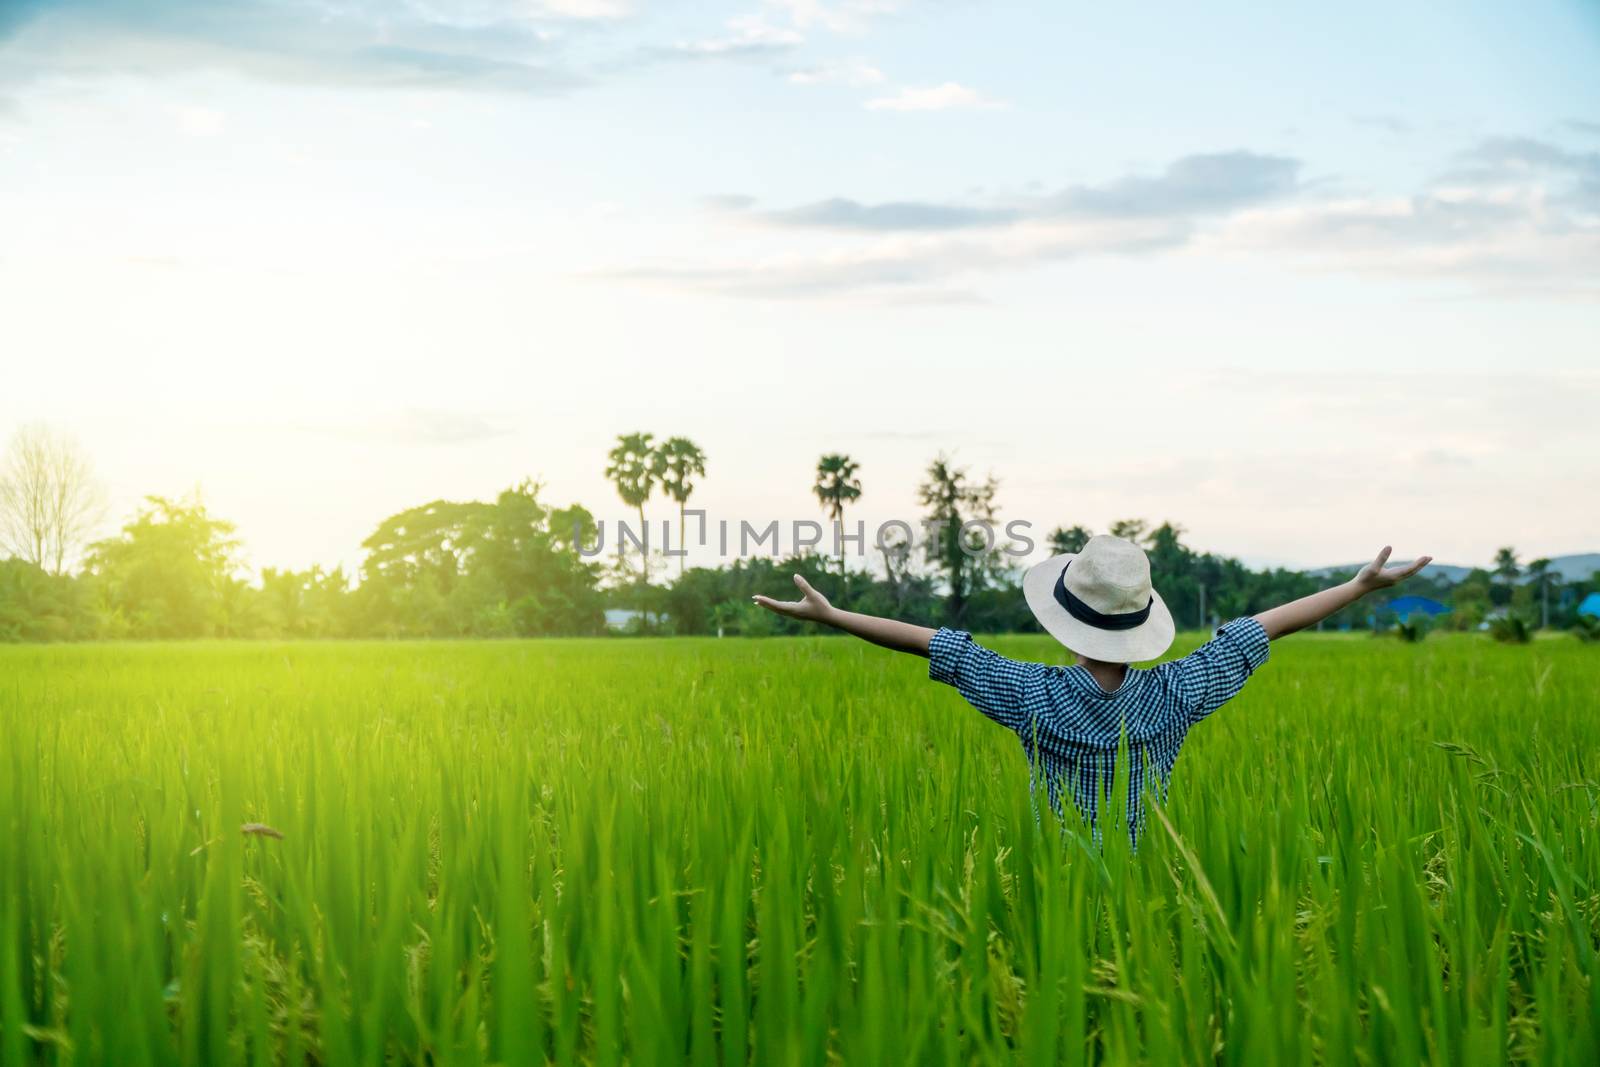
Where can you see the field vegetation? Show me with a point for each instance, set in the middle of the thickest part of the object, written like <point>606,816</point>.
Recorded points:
<point>790,851</point>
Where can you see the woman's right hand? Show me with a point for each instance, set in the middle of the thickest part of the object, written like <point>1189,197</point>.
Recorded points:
<point>811,607</point>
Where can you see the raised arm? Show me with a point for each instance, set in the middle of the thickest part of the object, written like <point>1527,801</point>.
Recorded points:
<point>1310,610</point>
<point>814,607</point>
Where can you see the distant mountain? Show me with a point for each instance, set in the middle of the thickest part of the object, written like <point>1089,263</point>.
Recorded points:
<point>1576,568</point>
<point>1569,568</point>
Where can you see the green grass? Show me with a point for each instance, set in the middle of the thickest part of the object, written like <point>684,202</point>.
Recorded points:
<point>781,852</point>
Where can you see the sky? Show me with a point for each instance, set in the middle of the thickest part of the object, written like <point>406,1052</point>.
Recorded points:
<point>1304,281</point>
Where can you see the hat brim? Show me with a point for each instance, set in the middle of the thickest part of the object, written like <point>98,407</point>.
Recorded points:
<point>1143,642</point>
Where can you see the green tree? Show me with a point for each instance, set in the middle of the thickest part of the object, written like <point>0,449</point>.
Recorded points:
<point>681,462</point>
<point>1130,529</point>
<point>527,575</point>
<point>1065,539</point>
<point>414,568</point>
<point>36,605</point>
<point>1471,599</point>
<point>308,603</point>
<point>1172,572</point>
<point>896,547</point>
<point>1506,567</point>
<point>171,571</point>
<point>1166,540</point>
<point>1540,572</point>
<point>283,601</point>
<point>1507,570</point>
<point>959,553</point>
<point>837,485</point>
<point>634,467</point>
<point>504,569</point>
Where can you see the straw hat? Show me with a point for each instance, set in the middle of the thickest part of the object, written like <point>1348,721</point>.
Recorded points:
<point>1099,603</point>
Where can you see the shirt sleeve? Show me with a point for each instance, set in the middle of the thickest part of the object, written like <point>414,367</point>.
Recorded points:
<point>996,686</point>
<point>1213,674</point>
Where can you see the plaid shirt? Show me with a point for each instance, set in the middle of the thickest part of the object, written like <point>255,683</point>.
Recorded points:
<point>1071,728</point>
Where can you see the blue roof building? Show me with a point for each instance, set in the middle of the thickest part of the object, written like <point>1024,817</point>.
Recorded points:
<point>1406,606</point>
<point>1590,606</point>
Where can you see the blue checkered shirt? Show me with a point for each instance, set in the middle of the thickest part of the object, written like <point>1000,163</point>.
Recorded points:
<point>1071,728</point>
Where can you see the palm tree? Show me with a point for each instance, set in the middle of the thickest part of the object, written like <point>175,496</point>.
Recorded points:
<point>1539,571</point>
<point>1507,571</point>
<point>836,486</point>
<point>953,500</point>
<point>681,461</point>
<point>1505,564</point>
<point>634,467</point>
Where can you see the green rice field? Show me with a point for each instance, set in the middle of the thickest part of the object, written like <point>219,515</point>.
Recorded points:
<point>785,851</point>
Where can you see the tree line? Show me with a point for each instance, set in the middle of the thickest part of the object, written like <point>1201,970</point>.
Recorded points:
<point>515,566</point>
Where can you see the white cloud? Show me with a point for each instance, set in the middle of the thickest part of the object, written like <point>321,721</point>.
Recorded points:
<point>482,44</point>
<point>586,9</point>
<point>901,266</point>
<point>1208,183</point>
<point>846,16</point>
<point>746,35</point>
<point>855,73</point>
<point>950,96</point>
<point>1520,221</point>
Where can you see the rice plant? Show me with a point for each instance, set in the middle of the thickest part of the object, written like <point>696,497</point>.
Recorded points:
<point>1510,630</point>
<point>1411,631</point>
<point>789,851</point>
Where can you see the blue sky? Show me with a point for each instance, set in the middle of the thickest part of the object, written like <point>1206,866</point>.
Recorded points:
<point>1304,281</point>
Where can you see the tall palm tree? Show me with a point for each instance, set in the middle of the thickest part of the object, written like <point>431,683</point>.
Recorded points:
<point>836,486</point>
<point>634,467</point>
<point>1507,570</point>
<point>953,500</point>
<point>681,462</point>
<point>1505,565</point>
<point>1540,571</point>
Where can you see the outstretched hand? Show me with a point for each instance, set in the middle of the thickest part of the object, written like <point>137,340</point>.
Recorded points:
<point>1310,610</point>
<point>811,607</point>
<point>1377,576</point>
